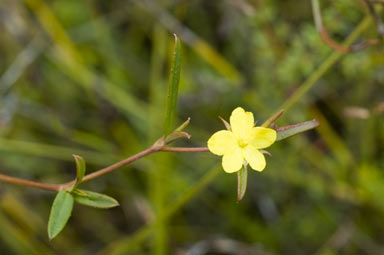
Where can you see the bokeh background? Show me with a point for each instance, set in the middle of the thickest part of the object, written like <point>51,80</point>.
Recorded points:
<point>89,78</point>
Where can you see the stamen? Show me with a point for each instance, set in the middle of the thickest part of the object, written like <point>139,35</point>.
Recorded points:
<point>242,143</point>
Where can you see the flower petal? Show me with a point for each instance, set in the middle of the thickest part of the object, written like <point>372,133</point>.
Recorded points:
<point>221,142</point>
<point>233,161</point>
<point>255,158</point>
<point>262,137</point>
<point>242,123</point>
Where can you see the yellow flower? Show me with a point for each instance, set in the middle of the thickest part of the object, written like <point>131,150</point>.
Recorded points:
<point>242,142</point>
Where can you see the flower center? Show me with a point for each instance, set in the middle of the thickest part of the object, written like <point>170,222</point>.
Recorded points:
<point>242,143</point>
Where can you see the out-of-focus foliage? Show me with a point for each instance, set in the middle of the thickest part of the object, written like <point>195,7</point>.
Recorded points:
<point>89,78</point>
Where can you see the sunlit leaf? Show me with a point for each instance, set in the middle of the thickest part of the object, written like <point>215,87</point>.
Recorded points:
<point>60,212</point>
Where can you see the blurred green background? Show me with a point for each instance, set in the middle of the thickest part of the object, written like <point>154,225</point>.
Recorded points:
<point>89,78</point>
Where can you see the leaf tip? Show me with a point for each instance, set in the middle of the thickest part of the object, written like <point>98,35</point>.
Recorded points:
<point>226,124</point>
<point>273,118</point>
<point>175,35</point>
<point>51,236</point>
<point>316,122</point>
<point>266,152</point>
<point>184,125</point>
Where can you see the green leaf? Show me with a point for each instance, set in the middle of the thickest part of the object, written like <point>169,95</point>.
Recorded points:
<point>94,199</point>
<point>173,88</point>
<point>274,117</point>
<point>60,212</point>
<point>79,192</point>
<point>288,131</point>
<point>176,135</point>
<point>242,176</point>
<point>184,125</point>
<point>80,170</point>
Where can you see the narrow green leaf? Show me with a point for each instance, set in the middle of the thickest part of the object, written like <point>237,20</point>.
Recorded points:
<point>184,125</point>
<point>60,212</point>
<point>80,170</point>
<point>288,131</point>
<point>94,199</point>
<point>274,117</point>
<point>176,135</point>
<point>242,176</point>
<point>173,88</point>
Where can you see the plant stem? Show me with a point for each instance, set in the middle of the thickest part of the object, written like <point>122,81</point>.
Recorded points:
<point>20,181</point>
<point>185,149</point>
<point>100,172</point>
<point>119,164</point>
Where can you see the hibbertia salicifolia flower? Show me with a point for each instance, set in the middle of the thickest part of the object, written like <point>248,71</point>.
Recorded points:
<point>242,143</point>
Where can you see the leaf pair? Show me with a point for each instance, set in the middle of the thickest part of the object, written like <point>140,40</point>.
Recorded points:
<point>63,204</point>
